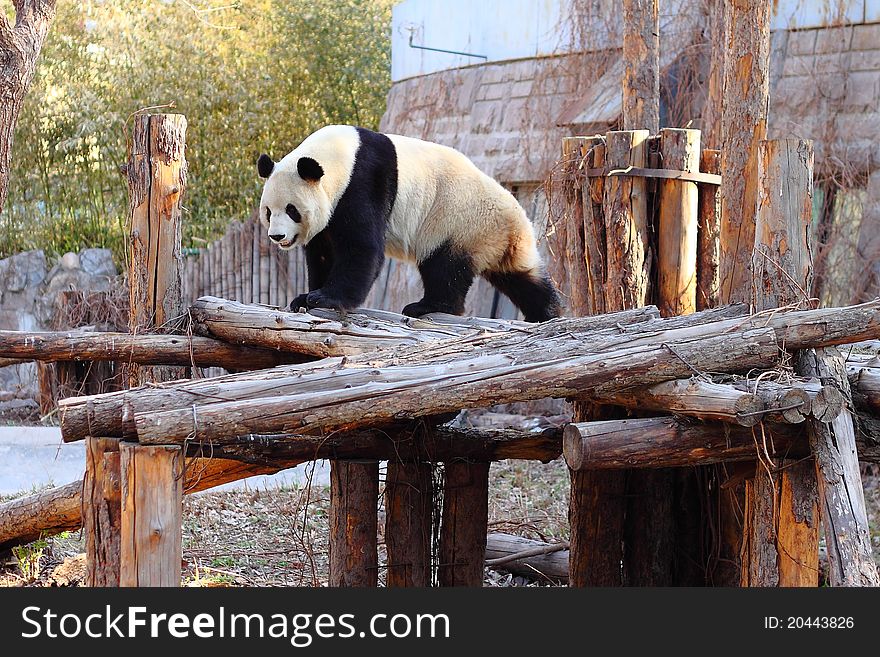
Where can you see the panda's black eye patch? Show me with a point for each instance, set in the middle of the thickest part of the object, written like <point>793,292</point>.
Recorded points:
<point>293,213</point>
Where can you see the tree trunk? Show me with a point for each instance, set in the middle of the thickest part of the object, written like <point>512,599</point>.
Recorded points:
<point>20,46</point>
<point>463,529</point>
<point>522,556</point>
<point>408,523</point>
<point>641,57</point>
<point>354,494</point>
<point>743,127</point>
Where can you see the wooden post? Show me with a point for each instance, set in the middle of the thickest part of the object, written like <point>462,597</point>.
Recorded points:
<point>843,512</point>
<point>102,511</point>
<point>264,267</point>
<point>677,234</point>
<point>708,234</point>
<point>152,497</point>
<point>464,525</point>
<point>717,36</point>
<point>781,523</point>
<point>246,235</point>
<point>641,57</point>
<point>156,182</point>
<point>743,127</point>
<point>354,496</point>
<point>408,523</point>
<point>626,222</point>
<point>256,262</point>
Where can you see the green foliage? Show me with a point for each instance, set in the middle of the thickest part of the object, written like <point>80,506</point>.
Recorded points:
<point>29,557</point>
<point>251,76</point>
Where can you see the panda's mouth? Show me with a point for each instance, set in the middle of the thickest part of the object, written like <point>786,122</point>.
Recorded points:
<point>288,244</point>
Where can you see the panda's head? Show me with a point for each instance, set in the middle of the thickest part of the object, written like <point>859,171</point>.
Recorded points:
<point>294,206</point>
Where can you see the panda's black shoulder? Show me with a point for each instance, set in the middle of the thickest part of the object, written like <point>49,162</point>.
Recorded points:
<point>372,186</point>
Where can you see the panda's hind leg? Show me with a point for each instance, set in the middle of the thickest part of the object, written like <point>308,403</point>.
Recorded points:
<point>531,291</point>
<point>447,275</point>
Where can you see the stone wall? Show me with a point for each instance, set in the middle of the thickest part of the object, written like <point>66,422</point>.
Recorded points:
<point>30,288</point>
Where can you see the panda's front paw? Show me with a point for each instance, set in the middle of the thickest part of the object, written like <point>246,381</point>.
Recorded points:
<point>316,299</point>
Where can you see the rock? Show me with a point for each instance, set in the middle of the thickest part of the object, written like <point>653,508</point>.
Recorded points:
<point>97,262</point>
<point>70,261</point>
<point>23,270</point>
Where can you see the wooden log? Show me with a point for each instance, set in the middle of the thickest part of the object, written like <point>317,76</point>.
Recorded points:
<point>103,415</point>
<point>354,493</point>
<point>844,515</point>
<point>796,400</point>
<point>152,499</point>
<point>641,59</point>
<point>626,222</point>
<point>778,532</point>
<point>677,233</point>
<point>743,127</point>
<point>793,328</point>
<point>661,442</point>
<point>442,388</point>
<point>568,263</point>
<point>156,182</point>
<point>72,346</point>
<point>102,513</point>
<point>591,366</point>
<point>865,384</point>
<point>42,514</point>
<point>695,398</point>
<point>708,234</point>
<point>463,528</point>
<point>408,523</point>
<point>323,334</point>
<point>47,384</point>
<point>717,38</point>
<point>522,556</point>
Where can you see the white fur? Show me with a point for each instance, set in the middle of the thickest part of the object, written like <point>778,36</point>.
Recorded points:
<point>441,196</point>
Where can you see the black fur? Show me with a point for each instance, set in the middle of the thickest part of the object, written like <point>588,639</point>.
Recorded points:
<point>265,166</point>
<point>534,296</point>
<point>309,169</point>
<point>346,257</point>
<point>447,275</point>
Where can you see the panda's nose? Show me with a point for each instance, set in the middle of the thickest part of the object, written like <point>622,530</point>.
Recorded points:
<point>277,237</point>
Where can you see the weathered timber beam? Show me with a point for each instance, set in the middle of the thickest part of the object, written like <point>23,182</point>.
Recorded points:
<point>324,333</point>
<point>661,442</point>
<point>55,510</point>
<point>9,362</point>
<point>482,380</point>
<point>865,382</point>
<point>102,415</point>
<point>694,398</point>
<point>794,401</point>
<point>522,556</point>
<point>143,349</point>
<point>509,367</point>
<point>440,444</point>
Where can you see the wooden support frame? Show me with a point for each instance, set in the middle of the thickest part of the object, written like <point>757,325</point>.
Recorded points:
<point>354,498</point>
<point>464,526</point>
<point>408,523</point>
<point>150,547</point>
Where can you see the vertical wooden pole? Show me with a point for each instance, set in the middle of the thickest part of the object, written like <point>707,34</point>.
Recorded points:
<point>626,222</point>
<point>102,511</point>
<point>708,233</point>
<point>354,496</point>
<point>641,58</point>
<point>237,261</point>
<point>464,525</point>
<point>408,523</point>
<point>246,235</point>
<point>255,262</point>
<point>273,276</point>
<point>844,516</point>
<point>156,182</point>
<point>781,524</point>
<point>264,268</point>
<point>152,498</point>
<point>677,293</point>
<point>743,127</point>
<point>717,31</point>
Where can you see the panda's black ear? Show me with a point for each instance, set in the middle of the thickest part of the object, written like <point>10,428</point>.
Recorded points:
<point>265,165</point>
<point>309,169</point>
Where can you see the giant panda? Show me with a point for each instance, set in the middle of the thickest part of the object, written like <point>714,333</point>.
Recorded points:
<point>350,196</point>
